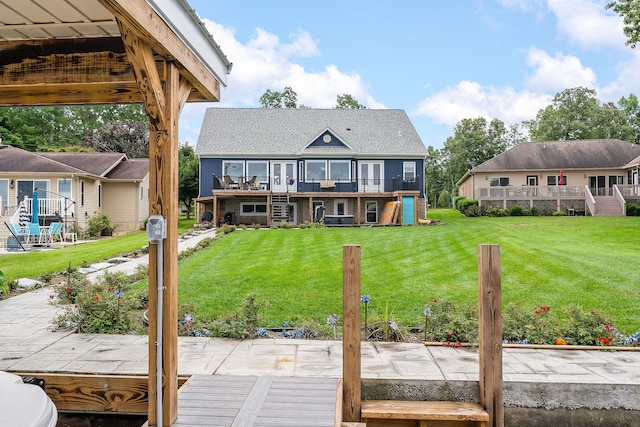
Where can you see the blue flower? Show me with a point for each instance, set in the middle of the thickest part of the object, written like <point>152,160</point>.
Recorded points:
<point>366,299</point>
<point>427,312</point>
<point>333,320</point>
<point>119,293</point>
<point>187,318</point>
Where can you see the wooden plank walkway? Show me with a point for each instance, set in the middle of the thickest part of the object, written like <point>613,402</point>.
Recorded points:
<point>233,401</point>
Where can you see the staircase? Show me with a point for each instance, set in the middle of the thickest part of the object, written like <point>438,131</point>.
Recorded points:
<point>279,208</point>
<point>608,206</point>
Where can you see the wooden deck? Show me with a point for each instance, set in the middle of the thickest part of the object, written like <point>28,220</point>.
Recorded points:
<point>233,401</point>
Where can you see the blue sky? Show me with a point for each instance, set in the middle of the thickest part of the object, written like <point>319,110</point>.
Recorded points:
<point>439,61</point>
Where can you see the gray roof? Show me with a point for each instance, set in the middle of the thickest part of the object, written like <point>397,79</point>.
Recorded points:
<point>282,132</point>
<point>95,163</point>
<point>131,169</point>
<point>13,159</point>
<point>581,154</point>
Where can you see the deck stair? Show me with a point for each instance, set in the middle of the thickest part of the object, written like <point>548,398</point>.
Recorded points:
<point>384,412</point>
<point>279,208</point>
<point>608,206</point>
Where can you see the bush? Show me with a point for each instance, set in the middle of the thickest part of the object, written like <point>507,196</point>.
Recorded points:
<point>632,209</point>
<point>99,225</point>
<point>445,322</point>
<point>516,210</point>
<point>559,213</point>
<point>535,211</point>
<point>496,211</point>
<point>473,211</point>
<point>463,204</point>
<point>444,199</point>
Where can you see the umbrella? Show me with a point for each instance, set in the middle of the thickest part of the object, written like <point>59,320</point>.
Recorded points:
<point>561,181</point>
<point>34,208</point>
<point>23,216</point>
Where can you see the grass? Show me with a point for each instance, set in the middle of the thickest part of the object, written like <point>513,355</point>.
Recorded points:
<point>35,264</point>
<point>555,261</point>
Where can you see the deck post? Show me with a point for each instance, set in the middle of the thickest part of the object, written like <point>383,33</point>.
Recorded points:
<point>490,333</point>
<point>352,385</point>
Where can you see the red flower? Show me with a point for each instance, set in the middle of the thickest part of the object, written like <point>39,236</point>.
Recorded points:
<point>458,345</point>
<point>51,296</point>
<point>545,308</point>
<point>537,312</point>
<point>435,300</point>
<point>452,333</point>
<point>96,297</point>
<point>69,291</point>
<point>604,341</point>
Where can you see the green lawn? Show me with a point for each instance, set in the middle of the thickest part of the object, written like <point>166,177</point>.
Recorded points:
<point>552,261</point>
<point>35,264</point>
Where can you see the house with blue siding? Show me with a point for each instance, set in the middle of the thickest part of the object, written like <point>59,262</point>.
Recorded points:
<point>268,166</point>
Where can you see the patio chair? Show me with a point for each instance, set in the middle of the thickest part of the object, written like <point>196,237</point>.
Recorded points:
<point>223,184</point>
<point>18,231</point>
<point>252,184</point>
<point>55,230</point>
<point>230,182</point>
<point>34,233</point>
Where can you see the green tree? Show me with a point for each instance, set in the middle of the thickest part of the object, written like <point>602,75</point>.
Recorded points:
<point>346,101</point>
<point>475,141</point>
<point>631,110</point>
<point>629,10</point>
<point>436,175</point>
<point>575,114</point>
<point>188,177</point>
<point>288,98</point>
<point>128,137</point>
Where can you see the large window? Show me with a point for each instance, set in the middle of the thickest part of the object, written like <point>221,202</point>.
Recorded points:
<point>64,187</point>
<point>372,211</point>
<point>259,169</point>
<point>340,207</point>
<point>316,170</point>
<point>499,181</point>
<point>555,180</point>
<point>339,170</point>
<point>409,171</point>
<point>81,193</point>
<point>253,209</point>
<point>4,194</point>
<point>233,168</point>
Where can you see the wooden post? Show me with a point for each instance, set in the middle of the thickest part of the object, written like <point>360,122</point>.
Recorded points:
<point>490,332</point>
<point>351,396</point>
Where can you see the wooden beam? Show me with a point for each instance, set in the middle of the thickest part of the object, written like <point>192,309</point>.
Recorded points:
<point>145,22</point>
<point>351,363</point>
<point>490,333</point>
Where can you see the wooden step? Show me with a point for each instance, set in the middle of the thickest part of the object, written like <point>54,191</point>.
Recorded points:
<point>423,411</point>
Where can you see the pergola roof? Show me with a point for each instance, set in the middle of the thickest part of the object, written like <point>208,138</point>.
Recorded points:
<point>36,34</point>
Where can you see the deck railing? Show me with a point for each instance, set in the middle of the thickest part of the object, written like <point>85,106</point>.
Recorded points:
<point>526,192</point>
<point>631,191</point>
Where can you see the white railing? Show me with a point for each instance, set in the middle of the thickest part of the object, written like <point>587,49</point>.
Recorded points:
<point>630,191</point>
<point>47,207</point>
<point>591,202</point>
<point>527,192</point>
<point>620,199</point>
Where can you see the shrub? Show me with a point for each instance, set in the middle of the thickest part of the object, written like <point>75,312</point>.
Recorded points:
<point>444,199</point>
<point>535,211</point>
<point>473,211</point>
<point>463,204</point>
<point>448,323</point>
<point>632,209</point>
<point>99,225</point>
<point>516,210</point>
<point>559,213</point>
<point>496,211</point>
<point>242,323</point>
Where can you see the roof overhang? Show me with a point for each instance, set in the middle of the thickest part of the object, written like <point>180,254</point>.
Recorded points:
<point>75,54</point>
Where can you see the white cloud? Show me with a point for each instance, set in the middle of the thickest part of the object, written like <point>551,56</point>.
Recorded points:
<point>557,73</point>
<point>627,81</point>
<point>470,100</point>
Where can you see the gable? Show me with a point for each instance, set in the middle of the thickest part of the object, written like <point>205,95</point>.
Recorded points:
<point>327,139</point>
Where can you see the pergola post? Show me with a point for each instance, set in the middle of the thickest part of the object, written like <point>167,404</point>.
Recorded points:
<point>351,362</point>
<point>490,333</point>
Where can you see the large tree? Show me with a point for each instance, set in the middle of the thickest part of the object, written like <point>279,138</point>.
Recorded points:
<point>188,177</point>
<point>475,141</point>
<point>575,114</point>
<point>631,110</point>
<point>128,137</point>
<point>60,127</point>
<point>629,10</point>
<point>346,101</point>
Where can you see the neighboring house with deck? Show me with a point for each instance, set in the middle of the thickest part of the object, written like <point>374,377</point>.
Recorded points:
<point>75,186</point>
<point>268,166</point>
<point>592,177</point>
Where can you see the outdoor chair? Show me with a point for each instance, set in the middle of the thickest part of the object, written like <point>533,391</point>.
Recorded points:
<point>55,230</point>
<point>252,183</point>
<point>34,233</point>
<point>230,182</point>
<point>18,231</point>
<point>223,184</point>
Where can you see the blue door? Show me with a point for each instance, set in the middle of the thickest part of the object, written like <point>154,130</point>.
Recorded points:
<point>408,210</point>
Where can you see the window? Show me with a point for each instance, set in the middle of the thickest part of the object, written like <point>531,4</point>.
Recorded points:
<point>499,182</point>
<point>233,168</point>
<point>409,171</point>
<point>99,195</point>
<point>253,209</point>
<point>317,210</point>
<point>316,170</point>
<point>4,191</point>
<point>532,180</point>
<point>339,170</point>
<point>372,211</point>
<point>258,169</point>
<point>81,193</point>
<point>340,207</point>
<point>42,187</point>
<point>64,187</point>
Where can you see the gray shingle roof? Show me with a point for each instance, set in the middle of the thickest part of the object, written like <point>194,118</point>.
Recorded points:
<point>13,159</point>
<point>582,154</point>
<point>131,169</point>
<point>287,132</point>
<point>95,163</point>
